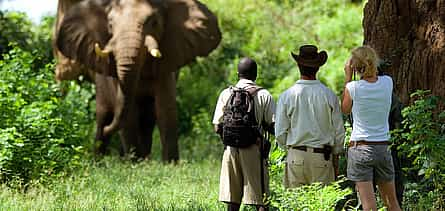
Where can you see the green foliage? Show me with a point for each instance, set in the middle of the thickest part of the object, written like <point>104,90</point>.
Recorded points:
<point>202,142</point>
<point>42,133</point>
<point>309,197</point>
<point>15,27</point>
<point>422,141</point>
<point>268,31</point>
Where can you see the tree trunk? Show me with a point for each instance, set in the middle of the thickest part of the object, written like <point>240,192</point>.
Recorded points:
<point>411,35</point>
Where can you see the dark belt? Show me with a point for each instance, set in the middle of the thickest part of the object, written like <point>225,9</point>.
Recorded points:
<point>304,148</point>
<point>358,143</point>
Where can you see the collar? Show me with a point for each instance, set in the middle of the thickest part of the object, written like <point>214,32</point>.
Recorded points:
<point>301,81</point>
<point>244,82</point>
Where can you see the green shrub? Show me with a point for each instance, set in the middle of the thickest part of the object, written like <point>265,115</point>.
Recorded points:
<point>42,133</point>
<point>15,27</point>
<point>422,141</point>
<point>309,197</point>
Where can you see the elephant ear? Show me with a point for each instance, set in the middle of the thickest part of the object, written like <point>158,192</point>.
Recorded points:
<point>191,30</point>
<point>82,26</point>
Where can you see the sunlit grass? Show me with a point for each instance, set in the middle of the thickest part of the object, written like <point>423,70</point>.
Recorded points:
<point>114,184</point>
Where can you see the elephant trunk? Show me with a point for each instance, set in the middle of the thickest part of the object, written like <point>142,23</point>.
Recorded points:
<point>129,60</point>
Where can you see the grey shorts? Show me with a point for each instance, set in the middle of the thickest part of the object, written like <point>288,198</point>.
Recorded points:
<point>368,162</point>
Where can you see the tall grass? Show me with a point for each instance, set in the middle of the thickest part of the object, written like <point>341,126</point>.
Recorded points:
<point>114,184</point>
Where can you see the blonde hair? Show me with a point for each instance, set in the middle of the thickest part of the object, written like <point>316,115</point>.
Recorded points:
<point>364,60</point>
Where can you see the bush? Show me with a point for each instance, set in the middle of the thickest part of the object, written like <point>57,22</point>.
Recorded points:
<point>15,27</point>
<point>42,133</point>
<point>308,197</point>
<point>422,142</point>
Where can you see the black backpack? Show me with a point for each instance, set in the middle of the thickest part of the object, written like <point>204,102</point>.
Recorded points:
<point>240,128</point>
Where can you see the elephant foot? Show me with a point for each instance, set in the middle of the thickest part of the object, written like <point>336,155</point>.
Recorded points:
<point>99,148</point>
<point>173,159</point>
<point>170,152</point>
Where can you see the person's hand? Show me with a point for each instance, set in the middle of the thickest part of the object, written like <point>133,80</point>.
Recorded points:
<point>348,71</point>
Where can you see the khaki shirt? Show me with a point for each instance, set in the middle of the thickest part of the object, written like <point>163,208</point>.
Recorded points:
<point>308,114</point>
<point>264,104</point>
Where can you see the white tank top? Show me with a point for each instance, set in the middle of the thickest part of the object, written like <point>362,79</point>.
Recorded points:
<point>371,103</point>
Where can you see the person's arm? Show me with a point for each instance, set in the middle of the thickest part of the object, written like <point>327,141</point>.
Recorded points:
<point>346,103</point>
<point>338,148</point>
<point>338,124</point>
<point>269,115</point>
<point>218,115</point>
<point>282,122</point>
<point>216,128</point>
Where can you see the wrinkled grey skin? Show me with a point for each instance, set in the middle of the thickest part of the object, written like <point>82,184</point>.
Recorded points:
<point>136,47</point>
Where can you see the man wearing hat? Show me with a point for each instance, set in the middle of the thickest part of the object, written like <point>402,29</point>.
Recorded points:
<point>309,124</point>
<point>244,177</point>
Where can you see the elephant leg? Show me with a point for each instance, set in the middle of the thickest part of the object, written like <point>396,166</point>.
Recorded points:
<point>103,118</point>
<point>104,111</point>
<point>166,115</point>
<point>129,133</point>
<point>146,123</point>
<point>104,115</point>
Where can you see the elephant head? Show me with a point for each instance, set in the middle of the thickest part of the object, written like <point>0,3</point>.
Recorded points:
<point>120,37</point>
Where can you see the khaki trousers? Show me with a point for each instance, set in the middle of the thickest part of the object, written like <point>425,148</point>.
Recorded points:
<point>240,180</point>
<point>306,167</point>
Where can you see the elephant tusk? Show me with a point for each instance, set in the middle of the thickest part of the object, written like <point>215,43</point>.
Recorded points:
<point>156,53</point>
<point>100,52</point>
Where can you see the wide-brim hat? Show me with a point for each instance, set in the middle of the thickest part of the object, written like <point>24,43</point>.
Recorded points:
<point>310,57</point>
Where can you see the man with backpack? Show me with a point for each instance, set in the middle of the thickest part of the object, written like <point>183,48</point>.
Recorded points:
<point>243,114</point>
<point>309,124</point>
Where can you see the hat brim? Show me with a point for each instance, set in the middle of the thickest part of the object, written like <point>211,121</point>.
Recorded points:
<point>319,61</point>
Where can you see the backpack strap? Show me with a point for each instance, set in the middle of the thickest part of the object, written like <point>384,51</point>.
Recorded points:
<point>232,96</point>
<point>253,89</point>
<point>229,101</point>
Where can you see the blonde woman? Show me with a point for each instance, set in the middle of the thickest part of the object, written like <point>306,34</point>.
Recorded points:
<point>369,156</point>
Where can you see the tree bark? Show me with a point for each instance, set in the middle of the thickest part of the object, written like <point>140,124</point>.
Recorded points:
<point>411,35</point>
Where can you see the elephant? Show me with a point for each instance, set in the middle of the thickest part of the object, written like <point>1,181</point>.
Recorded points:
<point>68,69</point>
<point>136,48</point>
